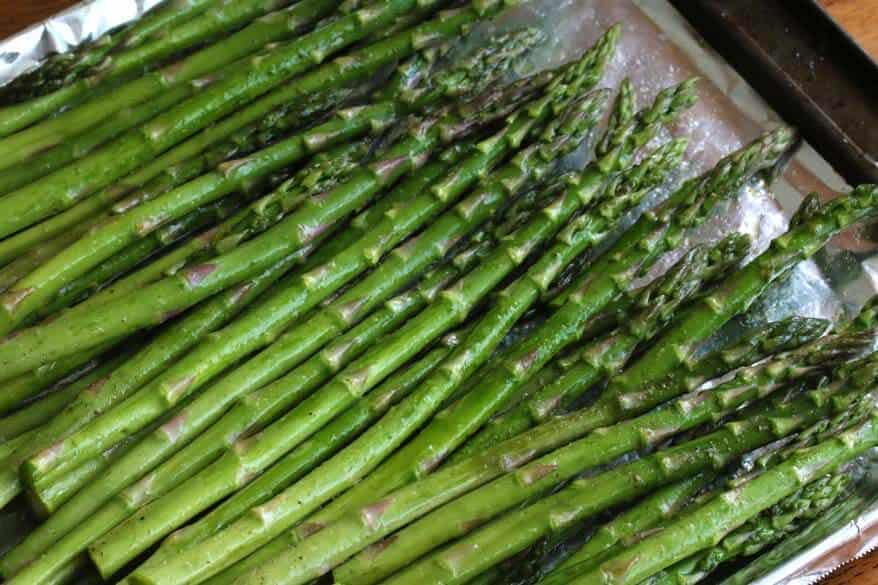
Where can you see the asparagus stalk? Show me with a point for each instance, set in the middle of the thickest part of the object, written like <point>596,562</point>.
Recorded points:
<point>43,163</point>
<point>504,180</point>
<point>433,445</point>
<point>648,430</point>
<point>585,497</point>
<point>811,228</point>
<point>322,173</point>
<point>478,71</point>
<point>277,26</point>
<point>277,313</point>
<point>160,446</point>
<point>532,476</point>
<point>54,491</point>
<point>9,446</point>
<point>854,414</point>
<point>159,443</point>
<point>119,157</point>
<point>358,378</point>
<point>309,454</point>
<point>657,303</point>
<point>827,524</point>
<point>136,254</point>
<point>781,520</point>
<point>295,231</point>
<point>18,391</point>
<point>776,337</point>
<point>64,68</point>
<point>553,553</point>
<point>103,242</point>
<point>633,524</point>
<point>581,117</point>
<point>154,181</point>
<point>25,262</point>
<point>224,472</point>
<point>113,385</point>
<point>701,529</point>
<point>360,65</point>
<point>349,308</point>
<point>10,482</point>
<point>76,260</point>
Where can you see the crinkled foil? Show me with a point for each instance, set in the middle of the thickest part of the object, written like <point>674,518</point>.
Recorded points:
<point>659,48</point>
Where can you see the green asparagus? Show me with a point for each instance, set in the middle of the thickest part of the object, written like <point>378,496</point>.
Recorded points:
<point>112,161</point>
<point>303,293</point>
<point>63,68</point>
<point>645,431</point>
<point>775,524</point>
<point>295,231</point>
<point>655,304</point>
<point>431,447</point>
<point>585,497</point>
<point>279,25</point>
<point>713,521</point>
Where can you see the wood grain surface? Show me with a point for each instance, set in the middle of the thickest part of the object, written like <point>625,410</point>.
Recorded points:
<point>860,17</point>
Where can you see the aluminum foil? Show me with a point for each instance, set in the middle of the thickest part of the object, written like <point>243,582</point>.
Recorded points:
<point>659,48</point>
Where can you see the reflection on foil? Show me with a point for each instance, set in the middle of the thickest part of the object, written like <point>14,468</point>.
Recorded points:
<point>658,49</point>
<point>58,34</point>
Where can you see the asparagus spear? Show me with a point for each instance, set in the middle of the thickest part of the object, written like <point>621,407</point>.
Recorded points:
<point>369,523</point>
<point>309,454</point>
<point>384,358</point>
<point>855,413</point>
<point>657,304</point>
<point>710,523</point>
<point>312,287</point>
<point>582,117</point>
<point>29,205</point>
<point>136,254</point>
<point>113,385</point>
<point>350,308</point>
<point>632,525</point>
<point>562,328</point>
<point>18,391</point>
<point>76,260</point>
<point>277,26</point>
<point>753,383</point>
<point>41,164</point>
<point>225,472</point>
<point>553,553</point>
<point>54,491</point>
<point>360,65</point>
<point>8,447</point>
<point>104,274</point>
<point>103,242</point>
<point>811,228</point>
<point>827,524</point>
<point>476,72</point>
<point>62,69</point>
<point>146,186</point>
<point>320,367</point>
<point>324,172</point>
<point>585,497</point>
<point>10,482</point>
<point>781,520</point>
<point>296,231</point>
<point>511,176</point>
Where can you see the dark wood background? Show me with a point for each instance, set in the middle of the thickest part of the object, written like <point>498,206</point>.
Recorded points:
<point>859,16</point>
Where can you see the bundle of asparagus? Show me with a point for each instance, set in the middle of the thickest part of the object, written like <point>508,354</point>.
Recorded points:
<point>299,288</point>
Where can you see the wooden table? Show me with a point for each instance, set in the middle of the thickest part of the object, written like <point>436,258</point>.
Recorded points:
<point>859,16</point>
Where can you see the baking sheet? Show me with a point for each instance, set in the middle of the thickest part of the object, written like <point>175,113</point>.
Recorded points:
<point>658,49</point>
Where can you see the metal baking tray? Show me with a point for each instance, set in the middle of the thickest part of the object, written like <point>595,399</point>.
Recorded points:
<point>807,69</point>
